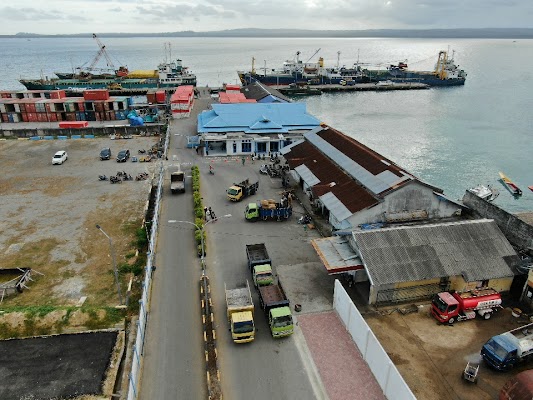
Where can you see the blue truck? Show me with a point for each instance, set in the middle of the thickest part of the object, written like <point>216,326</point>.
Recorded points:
<point>503,352</point>
<point>267,211</point>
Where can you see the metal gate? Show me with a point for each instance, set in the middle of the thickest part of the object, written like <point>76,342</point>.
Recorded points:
<point>409,293</point>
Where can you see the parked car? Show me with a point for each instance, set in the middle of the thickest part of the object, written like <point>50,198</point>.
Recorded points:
<point>105,154</point>
<point>123,155</point>
<point>60,157</point>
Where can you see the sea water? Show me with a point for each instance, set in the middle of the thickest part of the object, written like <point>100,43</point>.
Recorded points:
<point>453,138</point>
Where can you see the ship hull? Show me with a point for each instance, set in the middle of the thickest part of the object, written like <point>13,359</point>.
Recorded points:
<point>414,77</point>
<point>75,84</point>
<point>298,79</point>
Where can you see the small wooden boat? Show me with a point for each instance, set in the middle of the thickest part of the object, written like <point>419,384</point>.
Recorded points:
<point>510,185</point>
<point>530,188</point>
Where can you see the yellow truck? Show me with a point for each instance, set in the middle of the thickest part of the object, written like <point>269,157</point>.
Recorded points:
<point>240,313</point>
<point>239,191</point>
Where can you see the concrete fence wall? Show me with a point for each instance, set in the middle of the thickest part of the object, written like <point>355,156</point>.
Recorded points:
<point>515,230</point>
<point>152,129</point>
<point>385,372</point>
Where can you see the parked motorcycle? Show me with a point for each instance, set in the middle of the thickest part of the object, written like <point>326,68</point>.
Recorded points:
<point>127,177</point>
<point>305,219</point>
<point>263,169</point>
<point>141,176</point>
<point>115,179</point>
<point>102,177</point>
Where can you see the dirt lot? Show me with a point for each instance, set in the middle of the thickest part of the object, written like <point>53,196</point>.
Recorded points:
<point>431,357</point>
<point>49,213</point>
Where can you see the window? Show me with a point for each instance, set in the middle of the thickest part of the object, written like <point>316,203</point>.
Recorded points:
<point>261,147</point>
<point>274,147</point>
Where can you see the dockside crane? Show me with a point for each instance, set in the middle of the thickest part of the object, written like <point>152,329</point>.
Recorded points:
<point>122,71</point>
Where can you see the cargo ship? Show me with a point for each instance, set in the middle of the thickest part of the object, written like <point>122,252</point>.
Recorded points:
<point>446,73</point>
<point>168,75</point>
<point>302,73</point>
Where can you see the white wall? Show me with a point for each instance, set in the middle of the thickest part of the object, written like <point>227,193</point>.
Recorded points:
<point>385,372</point>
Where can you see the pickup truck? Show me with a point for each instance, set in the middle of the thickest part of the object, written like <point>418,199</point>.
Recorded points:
<point>265,211</point>
<point>239,191</point>
<point>240,313</point>
<point>275,304</point>
<point>259,264</point>
<point>177,182</point>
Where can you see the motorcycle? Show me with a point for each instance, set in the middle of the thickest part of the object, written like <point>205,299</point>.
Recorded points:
<point>102,177</point>
<point>141,177</point>
<point>114,179</point>
<point>304,219</point>
<point>263,169</point>
<point>127,177</point>
<point>142,151</point>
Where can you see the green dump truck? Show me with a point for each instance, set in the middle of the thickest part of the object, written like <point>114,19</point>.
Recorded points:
<point>259,264</point>
<point>240,313</point>
<point>275,304</point>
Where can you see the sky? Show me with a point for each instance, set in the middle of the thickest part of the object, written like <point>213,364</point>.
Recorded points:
<point>151,16</point>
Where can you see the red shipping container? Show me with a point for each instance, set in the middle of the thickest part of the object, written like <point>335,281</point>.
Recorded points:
<point>98,106</point>
<point>106,106</point>
<point>24,117</point>
<point>32,117</point>
<point>30,108</point>
<point>57,94</point>
<point>73,124</point>
<point>161,96</point>
<point>96,94</point>
<point>5,118</point>
<point>81,106</point>
<point>59,117</point>
<point>52,117</point>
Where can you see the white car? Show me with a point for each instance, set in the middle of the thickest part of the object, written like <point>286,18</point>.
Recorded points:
<point>60,157</point>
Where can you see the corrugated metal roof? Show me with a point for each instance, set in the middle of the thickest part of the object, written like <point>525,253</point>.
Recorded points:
<point>306,174</point>
<point>352,195</point>
<point>475,249</point>
<point>277,117</point>
<point>335,206</point>
<point>336,254</point>
<point>362,164</point>
<point>262,93</point>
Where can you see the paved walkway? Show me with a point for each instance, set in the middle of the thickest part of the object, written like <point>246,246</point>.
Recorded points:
<point>344,373</point>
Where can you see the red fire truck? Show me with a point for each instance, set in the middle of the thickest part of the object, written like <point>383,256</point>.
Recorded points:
<point>449,307</point>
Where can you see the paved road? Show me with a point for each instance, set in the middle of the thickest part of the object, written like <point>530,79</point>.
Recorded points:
<point>264,369</point>
<point>174,366</point>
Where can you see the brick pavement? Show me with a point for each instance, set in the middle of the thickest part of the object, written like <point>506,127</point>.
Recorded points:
<point>344,373</point>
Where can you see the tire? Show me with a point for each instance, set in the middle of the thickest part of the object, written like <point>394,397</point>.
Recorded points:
<point>451,321</point>
<point>487,315</point>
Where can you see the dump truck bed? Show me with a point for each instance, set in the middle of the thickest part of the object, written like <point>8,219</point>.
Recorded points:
<point>257,254</point>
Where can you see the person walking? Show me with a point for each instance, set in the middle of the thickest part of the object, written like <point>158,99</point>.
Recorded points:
<point>205,212</point>
<point>212,214</point>
<point>243,160</point>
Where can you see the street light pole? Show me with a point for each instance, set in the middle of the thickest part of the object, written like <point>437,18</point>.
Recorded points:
<point>173,221</point>
<point>114,263</point>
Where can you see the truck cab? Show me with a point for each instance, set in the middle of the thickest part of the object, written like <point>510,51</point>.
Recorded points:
<point>445,307</point>
<point>280,321</point>
<point>262,275</point>
<point>242,327</point>
<point>500,353</point>
<point>234,193</point>
<point>251,213</point>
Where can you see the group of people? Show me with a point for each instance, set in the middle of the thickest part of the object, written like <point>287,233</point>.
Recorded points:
<point>209,212</point>
<point>286,199</point>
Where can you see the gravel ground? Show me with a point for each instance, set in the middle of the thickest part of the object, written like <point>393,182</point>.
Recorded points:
<point>50,210</point>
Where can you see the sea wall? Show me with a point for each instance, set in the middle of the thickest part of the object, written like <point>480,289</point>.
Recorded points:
<point>97,131</point>
<point>518,232</point>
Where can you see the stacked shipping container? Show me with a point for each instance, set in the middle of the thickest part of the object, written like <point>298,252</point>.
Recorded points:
<point>182,101</point>
<point>53,106</point>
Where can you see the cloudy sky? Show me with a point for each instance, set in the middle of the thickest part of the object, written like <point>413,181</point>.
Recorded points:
<point>152,16</point>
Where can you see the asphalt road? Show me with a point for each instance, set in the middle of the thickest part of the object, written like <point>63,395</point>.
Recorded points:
<point>174,363</point>
<point>174,366</point>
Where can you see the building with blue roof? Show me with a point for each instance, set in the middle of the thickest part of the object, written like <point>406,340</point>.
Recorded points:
<point>252,128</point>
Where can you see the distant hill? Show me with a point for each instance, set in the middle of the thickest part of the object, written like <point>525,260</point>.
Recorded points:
<point>494,33</point>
